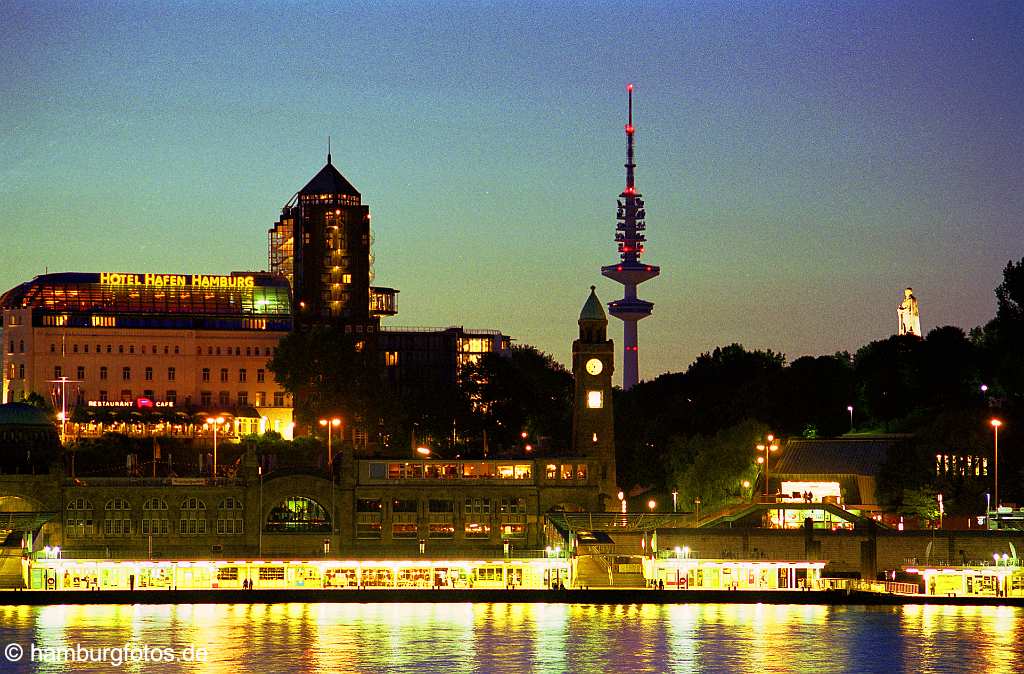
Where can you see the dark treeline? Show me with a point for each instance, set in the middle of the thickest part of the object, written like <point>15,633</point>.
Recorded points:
<point>695,431</point>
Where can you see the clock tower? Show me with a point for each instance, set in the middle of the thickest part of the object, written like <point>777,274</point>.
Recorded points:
<point>593,428</point>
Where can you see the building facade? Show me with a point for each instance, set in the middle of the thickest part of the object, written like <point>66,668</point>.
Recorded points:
<point>322,245</point>
<point>365,507</point>
<point>179,343</point>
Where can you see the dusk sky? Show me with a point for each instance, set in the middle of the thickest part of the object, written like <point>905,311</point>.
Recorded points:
<point>801,162</point>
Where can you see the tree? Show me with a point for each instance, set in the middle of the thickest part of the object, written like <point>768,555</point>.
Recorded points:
<point>720,464</point>
<point>812,394</point>
<point>329,372</point>
<point>720,389</point>
<point>922,503</point>
<point>524,391</point>
<point>888,377</point>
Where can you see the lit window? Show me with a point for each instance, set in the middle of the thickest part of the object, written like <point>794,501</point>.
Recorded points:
<point>595,400</point>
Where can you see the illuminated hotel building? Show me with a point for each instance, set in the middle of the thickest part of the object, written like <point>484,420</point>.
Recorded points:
<point>199,345</point>
<point>185,343</point>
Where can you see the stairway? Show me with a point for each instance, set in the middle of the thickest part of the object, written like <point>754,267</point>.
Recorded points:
<point>592,572</point>
<point>10,569</point>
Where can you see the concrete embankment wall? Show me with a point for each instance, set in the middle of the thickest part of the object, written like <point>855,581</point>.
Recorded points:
<point>616,596</point>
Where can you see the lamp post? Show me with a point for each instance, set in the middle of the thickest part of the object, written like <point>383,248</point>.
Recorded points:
<point>622,502</point>
<point>849,408</point>
<point>696,503</point>
<point>996,423</point>
<point>330,423</point>
<point>260,516</point>
<point>768,446</point>
<point>215,422</point>
<point>675,497</point>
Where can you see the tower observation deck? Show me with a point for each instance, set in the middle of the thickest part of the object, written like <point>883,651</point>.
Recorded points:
<point>630,271</point>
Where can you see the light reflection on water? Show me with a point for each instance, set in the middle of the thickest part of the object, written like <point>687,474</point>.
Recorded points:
<point>534,637</point>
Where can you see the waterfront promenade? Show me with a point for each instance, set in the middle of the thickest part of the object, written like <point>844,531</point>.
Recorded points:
<point>598,596</point>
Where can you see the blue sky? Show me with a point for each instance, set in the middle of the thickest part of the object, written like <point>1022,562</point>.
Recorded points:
<point>801,162</point>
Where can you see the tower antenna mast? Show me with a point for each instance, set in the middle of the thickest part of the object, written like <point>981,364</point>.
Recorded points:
<point>629,271</point>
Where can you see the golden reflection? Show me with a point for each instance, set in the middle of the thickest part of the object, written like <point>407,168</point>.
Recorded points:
<point>513,637</point>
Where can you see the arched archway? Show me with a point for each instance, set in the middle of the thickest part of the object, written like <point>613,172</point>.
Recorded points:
<point>297,514</point>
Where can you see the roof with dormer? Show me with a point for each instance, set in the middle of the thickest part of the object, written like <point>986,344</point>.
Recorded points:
<point>592,309</point>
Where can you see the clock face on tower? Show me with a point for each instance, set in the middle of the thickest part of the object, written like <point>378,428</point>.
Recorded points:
<point>594,366</point>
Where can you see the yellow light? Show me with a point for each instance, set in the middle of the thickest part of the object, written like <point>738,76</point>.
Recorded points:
<point>770,437</point>
<point>996,423</point>
<point>425,451</point>
<point>651,504</point>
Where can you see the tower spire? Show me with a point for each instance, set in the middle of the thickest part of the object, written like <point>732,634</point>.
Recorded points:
<point>629,271</point>
<point>328,149</point>
<point>630,185</point>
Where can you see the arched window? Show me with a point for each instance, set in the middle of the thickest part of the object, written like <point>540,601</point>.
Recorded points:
<point>193,517</point>
<point>154,518</point>
<point>229,519</point>
<point>117,504</point>
<point>79,523</point>
<point>298,514</point>
<point>118,520</point>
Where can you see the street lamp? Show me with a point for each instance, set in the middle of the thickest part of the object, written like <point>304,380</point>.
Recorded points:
<point>215,423</point>
<point>622,502</point>
<point>330,423</point>
<point>260,468</point>
<point>675,496</point>
<point>652,504</point>
<point>849,408</point>
<point>696,503</point>
<point>996,423</point>
<point>423,451</point>
<point>768,446</point>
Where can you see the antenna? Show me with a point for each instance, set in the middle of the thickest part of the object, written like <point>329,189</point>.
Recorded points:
<point>329,142</point>
<point>630,166</point>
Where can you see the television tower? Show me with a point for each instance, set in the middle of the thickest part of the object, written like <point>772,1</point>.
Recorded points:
<point>630,272</point>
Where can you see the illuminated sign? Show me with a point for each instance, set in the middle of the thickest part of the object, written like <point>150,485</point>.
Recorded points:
<point>177,280</point>
<point>141,402</point>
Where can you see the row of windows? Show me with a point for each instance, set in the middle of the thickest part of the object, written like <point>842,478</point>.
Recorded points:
<point>147,374</point>
<point>155,350</point>
<point>243,375</point>
<point>440,530</point>
<point>472,506</point>
<point>81,526</point>
<point>418,470</point>
<point>205,397</point>
<point>961,464</point>
<point>189,503</point>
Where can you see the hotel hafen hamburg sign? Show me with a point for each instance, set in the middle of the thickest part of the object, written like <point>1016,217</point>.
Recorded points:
<point>176,280</point>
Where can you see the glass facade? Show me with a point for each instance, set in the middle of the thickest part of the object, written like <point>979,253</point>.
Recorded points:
<point>236,302</point>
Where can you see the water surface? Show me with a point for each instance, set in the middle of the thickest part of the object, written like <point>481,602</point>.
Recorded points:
<point>518,638</point>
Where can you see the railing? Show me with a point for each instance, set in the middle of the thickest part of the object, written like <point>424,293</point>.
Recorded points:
<point>421,328</point>
<point>858,585</point>
<point>947,563</point>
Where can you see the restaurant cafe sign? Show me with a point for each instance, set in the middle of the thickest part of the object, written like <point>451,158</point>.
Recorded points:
<point>141,403</point>
<point>176,280</point>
